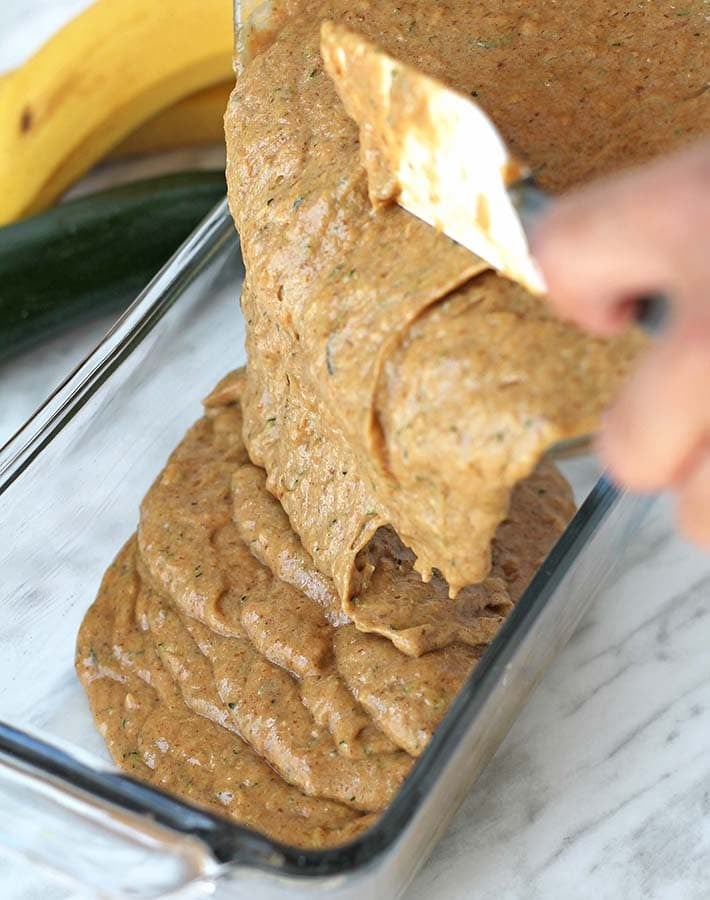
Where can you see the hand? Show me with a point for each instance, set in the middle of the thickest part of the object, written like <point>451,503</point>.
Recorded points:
<point>643,232</point>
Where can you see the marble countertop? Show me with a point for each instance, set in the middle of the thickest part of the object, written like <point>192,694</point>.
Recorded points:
<point>602,787</point>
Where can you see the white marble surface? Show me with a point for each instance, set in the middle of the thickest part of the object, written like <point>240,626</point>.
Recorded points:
<point>602,788</point>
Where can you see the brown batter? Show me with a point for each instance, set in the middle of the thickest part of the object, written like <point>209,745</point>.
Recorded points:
<point>214,637</point>
<point>265,645</point>
<point>391,380</point>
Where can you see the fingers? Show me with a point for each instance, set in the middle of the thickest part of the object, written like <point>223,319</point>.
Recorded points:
<point>639,233</point>
<point>596,258</point>
<point>694,500</point>
<point>601,249</point>
<point>657,436</point>
<point>662,416</point>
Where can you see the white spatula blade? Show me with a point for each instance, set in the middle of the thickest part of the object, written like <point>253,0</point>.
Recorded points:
<point>447,160</point>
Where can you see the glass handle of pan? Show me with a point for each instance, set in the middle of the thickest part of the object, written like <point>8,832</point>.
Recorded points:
<point>70,819</point>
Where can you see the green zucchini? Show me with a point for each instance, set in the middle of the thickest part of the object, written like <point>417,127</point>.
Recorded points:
<point>93,255</point>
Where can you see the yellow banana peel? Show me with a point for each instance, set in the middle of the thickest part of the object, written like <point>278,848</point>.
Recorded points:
<point>191,122</point>
<point>194,121</point>
<point>107,71</point>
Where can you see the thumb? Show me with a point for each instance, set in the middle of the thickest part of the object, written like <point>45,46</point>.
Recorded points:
<point>636,234</point>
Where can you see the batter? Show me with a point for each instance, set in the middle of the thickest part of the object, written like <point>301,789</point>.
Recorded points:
<point>219,663</point>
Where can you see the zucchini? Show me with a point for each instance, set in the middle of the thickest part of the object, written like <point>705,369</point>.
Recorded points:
<point>93,255</point>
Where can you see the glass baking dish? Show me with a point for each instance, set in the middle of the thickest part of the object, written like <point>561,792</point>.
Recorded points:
<point>70,484</point>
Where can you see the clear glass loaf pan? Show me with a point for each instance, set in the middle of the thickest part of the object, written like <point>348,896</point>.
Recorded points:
<point>70,484</point>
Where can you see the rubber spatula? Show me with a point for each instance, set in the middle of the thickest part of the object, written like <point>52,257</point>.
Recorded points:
<point>437,154</point>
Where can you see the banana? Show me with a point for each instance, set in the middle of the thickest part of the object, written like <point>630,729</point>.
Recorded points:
<point>109,70</point>
<point>195,120</point>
